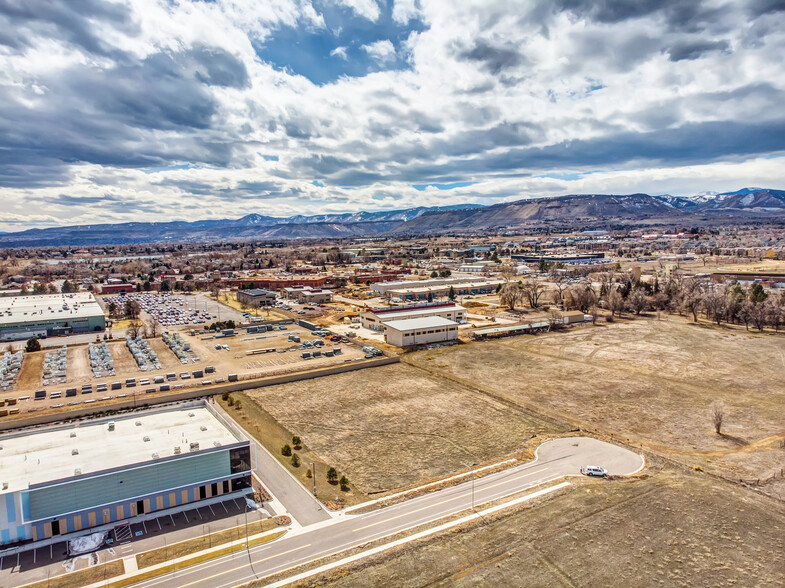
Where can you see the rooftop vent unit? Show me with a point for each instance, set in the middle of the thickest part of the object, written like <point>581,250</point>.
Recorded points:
<point>194,446</point>
<point>155,455</point>
<point>74,452</point>
<point>78,472</point>
<point>111,425</point>
<point>138,423</point>
<point>73,434</point>
<point>203,428</point>
<point>5,485</point>
<point>217,443</point>
<point>190,414</point>
<point>146,438</point>
<point>177,450</point>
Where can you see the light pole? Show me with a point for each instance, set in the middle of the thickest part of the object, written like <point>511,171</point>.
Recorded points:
<point>313,469</point>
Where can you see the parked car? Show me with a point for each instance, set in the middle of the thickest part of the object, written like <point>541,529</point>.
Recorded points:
<point>595,471</point>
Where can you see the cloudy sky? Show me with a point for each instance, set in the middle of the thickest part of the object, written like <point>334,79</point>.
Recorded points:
<point>169,109</point>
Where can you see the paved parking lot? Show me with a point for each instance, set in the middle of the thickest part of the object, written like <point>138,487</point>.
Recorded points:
<point>156,533</point>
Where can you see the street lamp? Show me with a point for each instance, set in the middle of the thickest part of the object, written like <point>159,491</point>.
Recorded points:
<point>313,468</point>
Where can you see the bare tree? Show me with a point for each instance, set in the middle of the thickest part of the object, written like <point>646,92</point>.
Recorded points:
<point>559,279</point>
<point>715,304</point>
<point>533,291</point>
<point>638,301</point>
<point>510,295</point>
<point>614,301</point>
<point>718,416</point>
<point>692,296</point>
<point>556,320</point>
<point>136,329</point>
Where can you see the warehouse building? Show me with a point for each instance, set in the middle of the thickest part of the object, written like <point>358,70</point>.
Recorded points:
<point>22,317</point>
<point>308,295</point>
<point>384,287</point>
<point>66,478</point>
<point>461,288</point>
<point>420,331</point>
<point>375,317</point>
<point>256,297</point>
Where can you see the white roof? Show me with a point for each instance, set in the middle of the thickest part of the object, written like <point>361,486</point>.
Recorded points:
<point>46,454</point>
<point>420,312</point>
<point>19,309</point>
<point>427,322</point>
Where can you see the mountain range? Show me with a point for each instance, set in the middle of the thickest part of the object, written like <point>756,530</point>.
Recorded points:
<point>569,210</point>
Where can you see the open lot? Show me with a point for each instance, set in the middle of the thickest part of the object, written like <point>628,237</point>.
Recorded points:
<point>672,528</point>
<point>398,425</point>
<point>647,380</point>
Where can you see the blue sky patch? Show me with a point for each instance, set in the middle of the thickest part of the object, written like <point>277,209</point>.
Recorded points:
<point>450,186</point>
<point>324,55</point>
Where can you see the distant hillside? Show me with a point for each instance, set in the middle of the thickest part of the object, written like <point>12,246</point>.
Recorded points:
<point>571,210</point>
<point>251,226</point>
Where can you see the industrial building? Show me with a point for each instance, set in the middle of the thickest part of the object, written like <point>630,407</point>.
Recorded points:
<point>375,317</point>
<point>384,287</point>
<point>574,258</point>
<point>22,317</point>
<point>461,288</point>
<point>308,295</point>
<point>62,479</point>
<point>256,297</point>
<point>420,331</point>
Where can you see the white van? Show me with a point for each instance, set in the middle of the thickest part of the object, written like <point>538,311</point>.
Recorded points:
<point>596,471</point>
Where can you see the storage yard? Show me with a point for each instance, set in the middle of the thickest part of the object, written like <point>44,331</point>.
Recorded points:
<point>125,367</point>
<point>168,310</point>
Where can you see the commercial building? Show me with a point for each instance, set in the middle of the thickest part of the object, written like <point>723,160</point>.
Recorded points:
<point>374,318</point>
<point>256,297</point>
<point>461,288</point>
<point>420,331</point>
<point>308,295</point>
<point>22,317</point>
<point>117,288</point>
<point>66,478</point>
<point>384,287</point>
<point>559,257</point>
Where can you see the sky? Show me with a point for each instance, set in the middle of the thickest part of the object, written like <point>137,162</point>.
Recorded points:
<point>155,110</point>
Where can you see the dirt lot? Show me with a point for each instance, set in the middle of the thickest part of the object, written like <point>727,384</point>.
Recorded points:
<point>235,360</point>
<point>397,425</point>
<point>647,380</point>
<point>671,528</point>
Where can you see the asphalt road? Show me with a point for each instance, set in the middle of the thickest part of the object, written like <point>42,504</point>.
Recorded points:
<point>554,460</point>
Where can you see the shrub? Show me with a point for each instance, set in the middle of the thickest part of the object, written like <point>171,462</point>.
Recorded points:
<point>344,483</point>
<point>230,401</point>
<point>295,461</point>
<point>286,451</point>
<point>32,345</point>
<point>225,396</point>
<point>308,473</point>
<point>238,405</point>
<point>332,476</point>
<point>297,442</point>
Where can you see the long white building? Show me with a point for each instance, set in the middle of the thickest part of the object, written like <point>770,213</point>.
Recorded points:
<point>375,318</point>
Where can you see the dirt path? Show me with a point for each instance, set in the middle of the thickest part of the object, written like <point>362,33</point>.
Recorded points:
<point>32,369</point>
<point>79,364</point>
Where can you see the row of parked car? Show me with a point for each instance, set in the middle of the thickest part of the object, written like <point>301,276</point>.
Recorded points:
<point>160,381</point>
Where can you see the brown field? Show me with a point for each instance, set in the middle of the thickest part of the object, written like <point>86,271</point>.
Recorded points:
<point>670,528</point>
<point>398,425</point>
<point>647,380</point>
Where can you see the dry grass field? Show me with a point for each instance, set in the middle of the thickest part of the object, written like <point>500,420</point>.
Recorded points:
<point>668,528</point>
<point>647,380</point>
<point>397,425</point>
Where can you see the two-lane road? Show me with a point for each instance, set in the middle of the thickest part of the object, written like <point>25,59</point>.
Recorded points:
<point>555,459</point>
